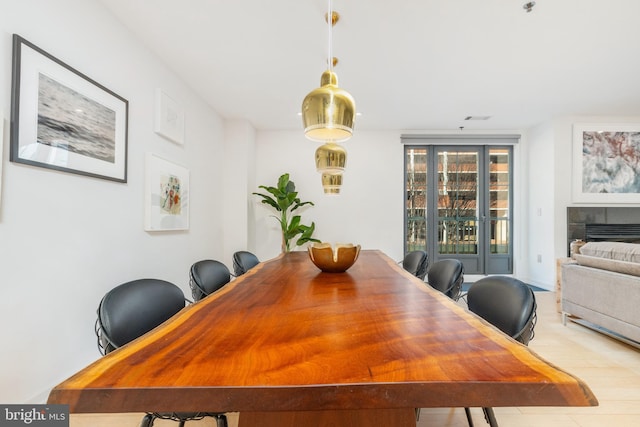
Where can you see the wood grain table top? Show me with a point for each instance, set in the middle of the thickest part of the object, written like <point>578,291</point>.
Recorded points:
<point>287,337</point>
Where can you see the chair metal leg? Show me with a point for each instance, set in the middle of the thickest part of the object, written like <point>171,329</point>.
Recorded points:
<point>221,420</point>
<point>467,412</point>
<point>490,417</point>
<point>181,423</point>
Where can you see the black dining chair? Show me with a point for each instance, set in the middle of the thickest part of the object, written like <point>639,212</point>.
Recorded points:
<point>243,261</point>
<point>446,276</point>
<point>206,277</point>
<point>132,309</point>
<point>416,262</point>
<point>508,304</point>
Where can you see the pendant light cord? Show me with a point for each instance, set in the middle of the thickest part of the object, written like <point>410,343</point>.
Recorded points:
<point>330,22</point>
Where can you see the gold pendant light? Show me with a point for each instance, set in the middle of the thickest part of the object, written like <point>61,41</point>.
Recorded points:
<point>328,112</point>
<point>331,158</point>
<point>328,115</point>
<point>331,183</point>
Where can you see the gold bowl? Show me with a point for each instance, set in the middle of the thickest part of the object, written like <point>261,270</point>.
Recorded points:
<point>334,261</point>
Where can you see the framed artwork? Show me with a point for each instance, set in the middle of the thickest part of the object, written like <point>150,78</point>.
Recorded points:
<point>63,120</point>
<point>606,163</point>
<point>167,195</point>
<point>169,118</point>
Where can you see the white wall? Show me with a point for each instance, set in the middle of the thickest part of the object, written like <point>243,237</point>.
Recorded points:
<point>539,237</point>
<point>239,182</point>
<point>66,239</point>
<point>367,212</point>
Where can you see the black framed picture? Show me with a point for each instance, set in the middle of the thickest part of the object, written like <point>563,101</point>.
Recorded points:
<point>63,120</point>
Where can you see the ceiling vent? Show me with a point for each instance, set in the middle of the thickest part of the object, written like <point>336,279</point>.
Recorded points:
<point>477,117</point>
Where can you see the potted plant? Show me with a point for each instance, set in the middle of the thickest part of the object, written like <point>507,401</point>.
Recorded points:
<point>284,199</point>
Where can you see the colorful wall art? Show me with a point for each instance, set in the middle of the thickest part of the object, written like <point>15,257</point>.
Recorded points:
<point>167,195</point>
<point>606,163</point>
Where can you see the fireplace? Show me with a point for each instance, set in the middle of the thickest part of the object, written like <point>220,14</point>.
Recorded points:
<point>612,232</point>
<point>592,224</point>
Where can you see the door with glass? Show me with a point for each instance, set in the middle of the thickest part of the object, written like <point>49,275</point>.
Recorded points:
<point>458,205</point>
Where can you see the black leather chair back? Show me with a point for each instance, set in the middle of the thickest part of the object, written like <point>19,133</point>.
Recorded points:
<point>446,276</point>
<point>206,277</point>
<point>133,309</point>
<point>243,261</point>
<point>506,303</point>
<point>416,263</point>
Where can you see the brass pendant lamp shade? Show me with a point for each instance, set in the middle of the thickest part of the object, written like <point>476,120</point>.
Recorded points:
<point>331,158</point>
<point>328,112</point>
<point>331,183</point>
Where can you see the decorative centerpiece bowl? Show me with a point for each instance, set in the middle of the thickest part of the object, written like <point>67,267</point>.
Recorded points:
<point>334,261</point>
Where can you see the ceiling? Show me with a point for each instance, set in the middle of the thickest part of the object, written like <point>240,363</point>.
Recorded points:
<point>409,64</point>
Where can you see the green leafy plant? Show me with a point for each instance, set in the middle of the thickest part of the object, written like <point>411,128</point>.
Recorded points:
<point>284,199</point>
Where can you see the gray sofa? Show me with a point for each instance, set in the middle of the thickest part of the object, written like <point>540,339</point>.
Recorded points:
<point>602,287</point>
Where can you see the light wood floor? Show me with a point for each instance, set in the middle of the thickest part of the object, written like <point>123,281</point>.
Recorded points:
<point>610,368</point>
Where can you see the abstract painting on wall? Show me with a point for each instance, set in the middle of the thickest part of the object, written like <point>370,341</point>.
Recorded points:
<point>167,195</point>
<point>606,163</point>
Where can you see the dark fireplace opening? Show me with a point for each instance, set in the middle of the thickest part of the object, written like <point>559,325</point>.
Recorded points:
<point>612,232</point>
<point>606,223</point>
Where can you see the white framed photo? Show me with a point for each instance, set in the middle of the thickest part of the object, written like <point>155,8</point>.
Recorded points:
<point>606,163</point>
<point>169,117</point>
<point>166,195</point>
<point>63,120</point>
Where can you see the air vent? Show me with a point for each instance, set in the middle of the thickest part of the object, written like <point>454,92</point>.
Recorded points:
<point>477,117</point>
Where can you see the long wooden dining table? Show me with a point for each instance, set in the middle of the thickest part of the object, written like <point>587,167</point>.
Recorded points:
<point>286,344</point>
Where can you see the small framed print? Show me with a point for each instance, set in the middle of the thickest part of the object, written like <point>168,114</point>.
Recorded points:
<point>167,195</point>
<point>169,118</point>
<point>63,120</point>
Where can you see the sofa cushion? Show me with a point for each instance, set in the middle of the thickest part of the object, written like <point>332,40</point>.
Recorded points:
<point>629,252</point>
<point>625,267</point>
